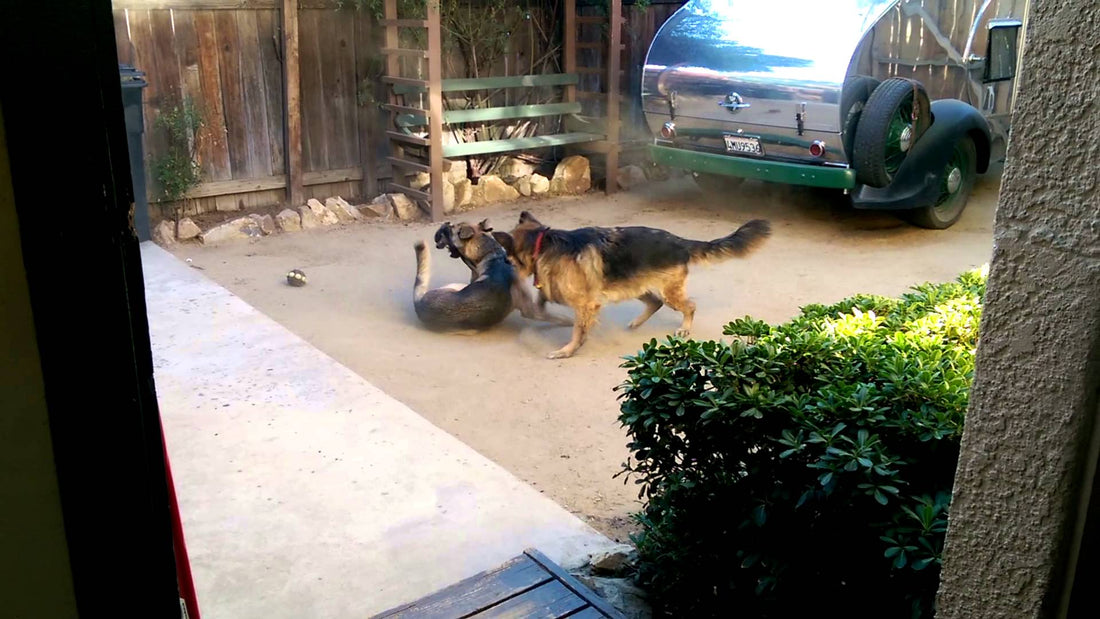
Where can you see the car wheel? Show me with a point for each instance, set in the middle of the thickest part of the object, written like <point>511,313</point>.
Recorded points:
<point>955,187</point>
<point>893,119</point>
<point>716,184</point>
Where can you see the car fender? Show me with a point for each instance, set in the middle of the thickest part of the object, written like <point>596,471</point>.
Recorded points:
<point>917,182</point>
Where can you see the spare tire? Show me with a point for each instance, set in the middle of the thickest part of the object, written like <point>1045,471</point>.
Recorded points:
<point>854,95</point>
<point>893,119</point>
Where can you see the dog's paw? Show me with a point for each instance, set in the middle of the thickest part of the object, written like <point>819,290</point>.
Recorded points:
<point>682,333</point>
<point>560,354</point>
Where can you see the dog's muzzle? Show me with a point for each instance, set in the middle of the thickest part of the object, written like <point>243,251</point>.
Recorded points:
<point>444,238</point>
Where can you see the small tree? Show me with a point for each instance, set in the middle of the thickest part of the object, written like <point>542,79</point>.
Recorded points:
<point>177,171</point>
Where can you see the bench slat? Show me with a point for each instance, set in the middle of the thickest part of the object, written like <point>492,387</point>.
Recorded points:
<point>406,82</point>
<point>502,146</point>
<point>515,111</point>
<point>408,139</point>
<point>408,164</point>
<point>409,191</point>
<point>493,83</point>
<point>510,81</point>
<point>416,117</point>
<point>405,110</point>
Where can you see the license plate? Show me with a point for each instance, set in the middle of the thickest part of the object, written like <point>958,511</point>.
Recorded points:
<point>743,146</point>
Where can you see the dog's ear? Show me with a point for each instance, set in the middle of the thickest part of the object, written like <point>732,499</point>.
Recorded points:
<point>484,226</point>
<point>465,233</point>
<point>506,242</point>
<point>526,217</point>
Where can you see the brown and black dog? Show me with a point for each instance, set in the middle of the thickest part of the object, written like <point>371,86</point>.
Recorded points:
<point>590,267</point>
<point>495,289</point>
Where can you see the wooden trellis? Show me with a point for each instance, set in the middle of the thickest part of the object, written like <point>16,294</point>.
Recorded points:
<point>413,153</point>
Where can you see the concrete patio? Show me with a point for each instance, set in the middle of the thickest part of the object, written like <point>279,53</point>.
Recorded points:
<point>307,492</point>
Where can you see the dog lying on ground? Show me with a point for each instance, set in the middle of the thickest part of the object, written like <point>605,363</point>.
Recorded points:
<point>590,267</point>
<point>494,291</point>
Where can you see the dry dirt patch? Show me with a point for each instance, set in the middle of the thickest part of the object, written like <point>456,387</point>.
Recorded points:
<point>554,423</point>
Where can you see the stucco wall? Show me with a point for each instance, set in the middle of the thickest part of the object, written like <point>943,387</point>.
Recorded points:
<point>1034,397</point>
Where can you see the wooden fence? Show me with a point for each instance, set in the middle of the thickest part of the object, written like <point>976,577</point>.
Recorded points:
<point>640,25</point>
<point>229,58</point>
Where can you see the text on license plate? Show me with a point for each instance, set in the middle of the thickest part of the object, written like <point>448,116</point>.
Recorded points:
<point>744,145</point>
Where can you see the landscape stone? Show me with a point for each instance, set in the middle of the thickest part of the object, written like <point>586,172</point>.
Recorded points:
<point>523,186</point>
<point>539,184</point>
<point>310,220</point>
<point>164,233</point>
<point>496,190</point>
<point>235,230</point>
<point>344,212</point>
<point>188,229</point>
<point>288,221</point>
<point>572,175</point>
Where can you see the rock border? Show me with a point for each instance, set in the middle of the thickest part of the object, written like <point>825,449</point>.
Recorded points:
<point>514,179</point>
<point>613,576</point>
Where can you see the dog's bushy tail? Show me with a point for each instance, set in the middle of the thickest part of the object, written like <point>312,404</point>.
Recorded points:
<point>742,242</point>
<point>423,270</point>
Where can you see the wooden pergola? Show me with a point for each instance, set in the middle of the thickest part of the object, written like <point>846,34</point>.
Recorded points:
<point>429,150</point>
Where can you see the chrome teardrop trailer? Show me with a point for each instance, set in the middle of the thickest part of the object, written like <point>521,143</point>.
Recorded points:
<point>901,103</point>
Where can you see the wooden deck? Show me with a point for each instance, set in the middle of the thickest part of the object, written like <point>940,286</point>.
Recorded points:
<point>527,586</point>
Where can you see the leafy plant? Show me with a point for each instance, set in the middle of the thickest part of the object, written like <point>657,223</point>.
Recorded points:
<point>177,170</point>
<point>808,468</point>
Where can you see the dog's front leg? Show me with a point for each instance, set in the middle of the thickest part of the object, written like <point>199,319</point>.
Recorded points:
<point>586,317</point>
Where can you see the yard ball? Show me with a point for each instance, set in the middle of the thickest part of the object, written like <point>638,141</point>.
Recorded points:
<point>296,278</point>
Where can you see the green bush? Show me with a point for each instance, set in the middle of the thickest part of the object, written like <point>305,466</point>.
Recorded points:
<point>177,170</point>
<point>805,467</point>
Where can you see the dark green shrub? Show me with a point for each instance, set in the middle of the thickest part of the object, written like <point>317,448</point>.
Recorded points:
<point>809,470</point>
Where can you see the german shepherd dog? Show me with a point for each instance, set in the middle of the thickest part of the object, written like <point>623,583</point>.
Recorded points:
<point>494,291</point>
<point>590,267</point>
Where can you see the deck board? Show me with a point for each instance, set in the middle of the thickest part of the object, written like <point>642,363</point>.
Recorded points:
<point>588,613</point>
<point>529,585</point>
<point>548,601</point>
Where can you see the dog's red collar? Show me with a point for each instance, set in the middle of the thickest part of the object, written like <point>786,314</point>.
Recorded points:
<point>535,256</point>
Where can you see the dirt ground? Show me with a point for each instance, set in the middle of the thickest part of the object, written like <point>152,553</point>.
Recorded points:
<point>554,423</point>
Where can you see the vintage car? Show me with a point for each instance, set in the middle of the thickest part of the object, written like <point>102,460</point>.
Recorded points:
<point>899,103</point>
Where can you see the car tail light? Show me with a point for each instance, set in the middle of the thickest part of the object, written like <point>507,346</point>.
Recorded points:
<point>668,131</point>
<point>817,149</point>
